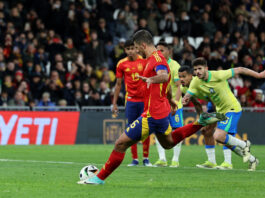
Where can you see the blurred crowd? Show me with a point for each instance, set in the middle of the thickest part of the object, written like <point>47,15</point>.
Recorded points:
<point>64,52</point>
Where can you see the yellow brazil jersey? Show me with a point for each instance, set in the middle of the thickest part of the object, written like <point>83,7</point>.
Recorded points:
<point>174,69</point>
<point>184,89</point>
<point>217,90</point>
<point>198,95</point>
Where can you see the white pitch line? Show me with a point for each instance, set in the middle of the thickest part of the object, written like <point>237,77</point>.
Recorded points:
<point>241,170</point>
<point>84,163</point>
<point>37,161</point>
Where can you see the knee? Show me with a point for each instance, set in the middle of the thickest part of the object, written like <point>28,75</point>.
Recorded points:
<point>215,136</point>
<point>120,146</point>
<point>218,137</point>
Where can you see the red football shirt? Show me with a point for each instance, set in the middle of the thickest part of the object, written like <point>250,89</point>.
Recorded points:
<point>130,70</point>
<point>156,104</point>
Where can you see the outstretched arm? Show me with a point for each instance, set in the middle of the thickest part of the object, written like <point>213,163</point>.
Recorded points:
<point>160,77</point>
<point>116,94</point>
<point>249,72</point>
<point>197,105</point>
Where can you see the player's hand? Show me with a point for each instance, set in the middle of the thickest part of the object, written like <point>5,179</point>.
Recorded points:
<point>114,109</point>
<point>185,100</point>
<point>262,74</point>
<point>141,77</point>
<point>149,81</point>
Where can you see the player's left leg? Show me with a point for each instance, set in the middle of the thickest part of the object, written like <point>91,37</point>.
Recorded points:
<point>209,141</point>
<point>207,132</point>
<point>133,110</point>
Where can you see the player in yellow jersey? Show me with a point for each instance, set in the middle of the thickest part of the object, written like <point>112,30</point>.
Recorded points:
<point>186,76</point>
<point>176,120</point>
<point>214,86</point>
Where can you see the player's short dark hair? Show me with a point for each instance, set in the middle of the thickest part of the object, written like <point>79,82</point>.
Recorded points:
<point>199,61</point>
<point>128,43</point>
<point>143,36</point>
<point>163,43</point>
<point>186,68</point>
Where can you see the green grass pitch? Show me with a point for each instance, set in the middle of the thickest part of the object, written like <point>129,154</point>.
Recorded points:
<point>43,171</point>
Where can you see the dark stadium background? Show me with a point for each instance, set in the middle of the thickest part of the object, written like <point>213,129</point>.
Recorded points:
<point>69,49</point>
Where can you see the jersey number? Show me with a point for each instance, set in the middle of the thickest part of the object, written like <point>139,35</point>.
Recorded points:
<point>134,123</point>
<point>226,121</point>
<point>177,118</point>
<point>135,76</point>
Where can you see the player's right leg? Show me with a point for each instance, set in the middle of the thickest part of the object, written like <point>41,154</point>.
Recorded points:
<point>207,132</point>
<point>169,140</point>
<point>131,135</point>
<point>227,164</point>
<point>221,135</point>
<point>114,161</point>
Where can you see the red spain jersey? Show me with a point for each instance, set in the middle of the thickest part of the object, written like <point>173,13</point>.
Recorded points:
<point>130,70</point>
<point>156,104</point>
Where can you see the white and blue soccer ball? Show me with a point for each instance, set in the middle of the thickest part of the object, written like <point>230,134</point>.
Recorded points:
<point>88,172</point>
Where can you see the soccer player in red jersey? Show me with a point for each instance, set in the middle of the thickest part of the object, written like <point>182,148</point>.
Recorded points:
<point>130,68</point>
<point>157,105</point>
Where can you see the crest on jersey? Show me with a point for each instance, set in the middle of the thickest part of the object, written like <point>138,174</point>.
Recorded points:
<point>127,70</point>
<point>140,67</point>
<point>212,90</point>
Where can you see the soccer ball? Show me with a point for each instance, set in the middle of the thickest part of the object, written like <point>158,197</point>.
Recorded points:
<point>88,172</point>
